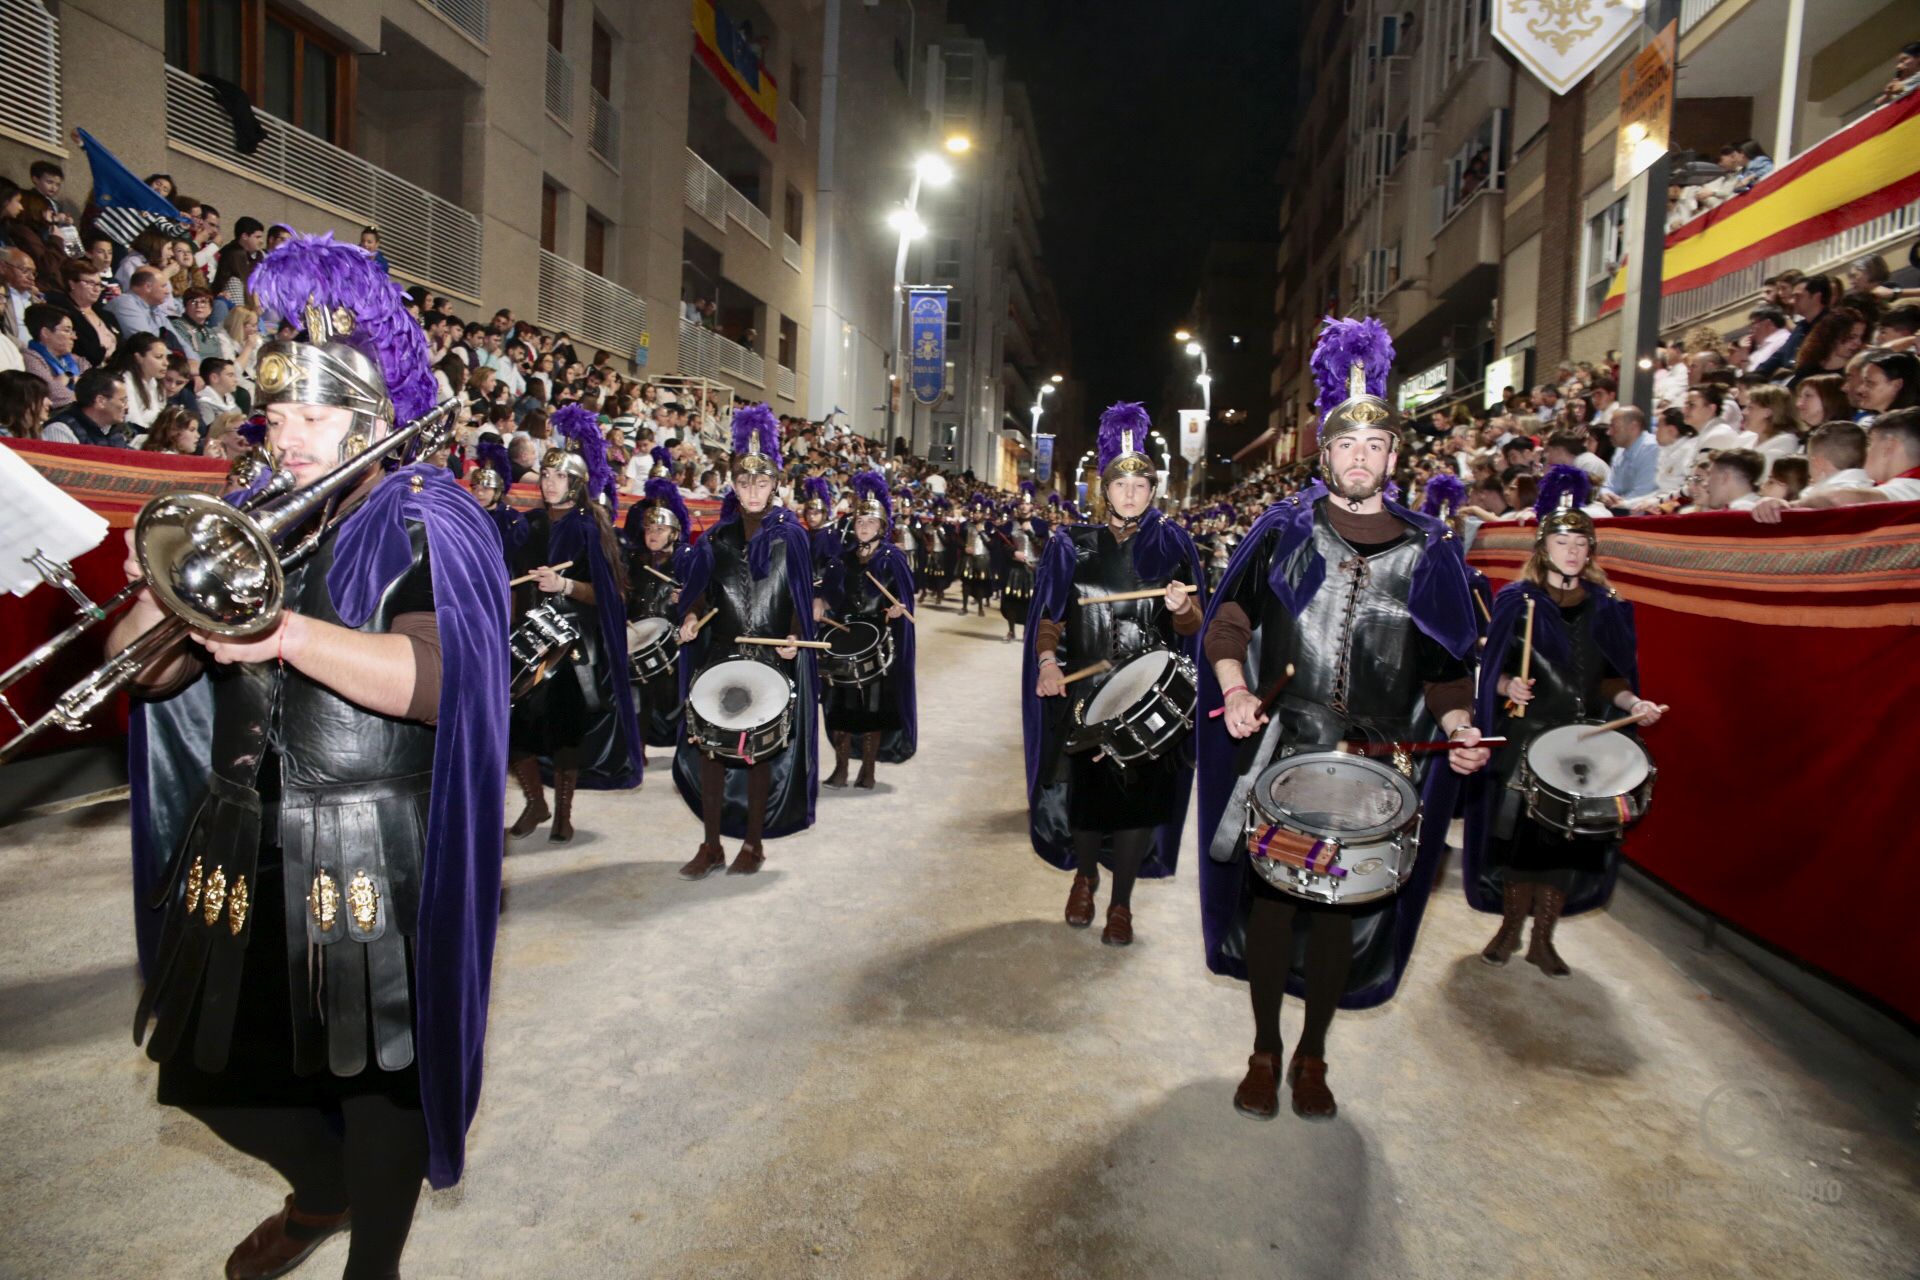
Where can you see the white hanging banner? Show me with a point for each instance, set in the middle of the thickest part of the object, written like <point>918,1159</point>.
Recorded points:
<point>1560,41</point>
<point>1193,435</point>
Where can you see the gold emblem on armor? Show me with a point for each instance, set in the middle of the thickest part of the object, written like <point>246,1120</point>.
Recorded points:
<point>323,901</point>
<point>276,373</point>
<point>353,446</point>
<point>1403,761</point>
<point>237,906</point>
<point>1366,413</point>
<point>1133,465</point>
<point>363,901</point>
<point>194,876</point>
<point>216,896</point>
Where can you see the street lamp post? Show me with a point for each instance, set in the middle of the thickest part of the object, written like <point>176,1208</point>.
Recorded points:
<point>1205,381</point>
<point>927,168</point>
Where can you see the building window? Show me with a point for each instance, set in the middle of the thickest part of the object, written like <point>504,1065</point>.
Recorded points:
<point>795,220</point>
<point>1603,249</point>
<point>958,89</point>
<point>789,343</point>
<point>596,248</point>
<point>549,216</point>
<point>601,68</point>
<point>955,328</point>
<point>1479,165</point>
<point>295,71</point>
<point>556,22</point>
<point>946,257</point>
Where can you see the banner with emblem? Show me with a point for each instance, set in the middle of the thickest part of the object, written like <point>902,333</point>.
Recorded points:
<point>1193,435</point>
<point>1560,41</point>
<point>927,344</point>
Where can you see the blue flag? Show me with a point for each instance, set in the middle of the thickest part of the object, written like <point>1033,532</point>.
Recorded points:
<point>927,332</point>
<point>128,206</point>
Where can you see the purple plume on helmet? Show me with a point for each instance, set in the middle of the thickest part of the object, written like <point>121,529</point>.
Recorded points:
<point>1341,343</point>
<point>1053,499</point>
<point>817,487</point>
<point>872,485</point>
<point>756,422</point>
<point>662,457</point>
<point>319,271</point>
<point>1120,419</point>
<point>1073,512</point>
<point>492,456</point>
<point>1559,482</point>
<point>253,430</point>
<point>1445,493</point>
<point>1027,490</point>
<point>664,492</point>
<point>581,426</point>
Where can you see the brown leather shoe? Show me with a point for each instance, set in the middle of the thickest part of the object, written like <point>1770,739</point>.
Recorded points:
<point>1548,902</point>
<point>842,748</point>
<point>270,1251</point>
<point>1312,1100</point>
<point>1080,902</point>
<point>1119,930</point>
<point>749,860</point>
<point>1259,1094</point>
<point>710,859</point>
<point>1516,902</point>
<point>564,782</point>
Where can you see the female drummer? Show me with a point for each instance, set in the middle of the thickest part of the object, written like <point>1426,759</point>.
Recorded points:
<point>655,570</point>
<point>580,718</point>
<point>1581,665</point>
<point>876,720</point>
<point>488,483</point>
<point>1083,811</point>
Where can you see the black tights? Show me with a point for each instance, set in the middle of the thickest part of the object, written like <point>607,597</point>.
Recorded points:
<point>713,796</point>
<point>375,1167</point>
<point>1130,849</point>
<point>1270,957</point>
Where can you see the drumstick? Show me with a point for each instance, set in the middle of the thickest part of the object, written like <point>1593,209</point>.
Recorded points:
<point>656,573</point>
<point>1483,606</point>
<point>1518,710</point>
<point>1411,748</point>
<point>529,577</point>
<point>1621,723</point>
<point>836,626</point>
<point>891,598</point>
<point>1266,700</point>
<point>1093,669</point>
<point>704,621</point>
<point>772,643</point>
<point>1121,597</point>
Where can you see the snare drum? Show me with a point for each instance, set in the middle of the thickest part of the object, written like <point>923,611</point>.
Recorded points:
<point>1582,785</point>
<point>537,646</point>
<point>860,655</point>
<point>1333,828</point>
<point>652,646</point>
<point>740,709</point>
<point>1141,711</point>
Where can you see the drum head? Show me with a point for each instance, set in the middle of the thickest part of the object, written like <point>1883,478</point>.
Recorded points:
<point>644,632</point>
<point>1127,686</point>
<point>1328,793</point>
<point>1606,764</point>
<point>738,694</point>
<point>857,638</point>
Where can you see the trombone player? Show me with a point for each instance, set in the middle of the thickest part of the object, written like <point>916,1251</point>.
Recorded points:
<point>317,936</point>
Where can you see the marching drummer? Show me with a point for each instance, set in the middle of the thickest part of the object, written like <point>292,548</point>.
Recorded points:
<point>1344,617</point>
<point>750,577</point>
<point>655,569</point>
<point>1024,535</point>
<point>875,717</point>
<point>1560,651</point>
<point>1084,810</point>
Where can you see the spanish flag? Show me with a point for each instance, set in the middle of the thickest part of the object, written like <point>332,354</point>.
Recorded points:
<point>730,54</point>
<point>1869,168</point>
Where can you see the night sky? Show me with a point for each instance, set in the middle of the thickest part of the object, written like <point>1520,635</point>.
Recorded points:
<point>1161,125</point>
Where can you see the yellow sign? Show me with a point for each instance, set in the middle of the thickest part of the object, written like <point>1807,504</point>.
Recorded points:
<point>1646,109</point>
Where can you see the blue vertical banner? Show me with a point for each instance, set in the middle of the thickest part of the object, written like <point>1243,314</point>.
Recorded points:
<point>927,344</point>
<point>1042,459</point>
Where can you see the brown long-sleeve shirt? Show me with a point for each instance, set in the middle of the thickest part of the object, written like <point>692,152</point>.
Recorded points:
<point>1047,632</point>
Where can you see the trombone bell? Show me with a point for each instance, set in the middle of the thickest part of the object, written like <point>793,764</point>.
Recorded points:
<point>210,564</point>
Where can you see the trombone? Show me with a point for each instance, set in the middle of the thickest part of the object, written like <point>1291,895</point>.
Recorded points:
<point>213,567</point>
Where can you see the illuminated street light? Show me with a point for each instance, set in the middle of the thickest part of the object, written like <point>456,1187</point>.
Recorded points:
<point>1056,378</point>
<point>934,170</point>
<point>907,223</point>
<point>1193,348</point>
<point>959,144</point>
<point>1182,335</point>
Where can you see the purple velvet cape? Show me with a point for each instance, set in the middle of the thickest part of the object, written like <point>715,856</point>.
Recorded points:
<point>466,811</point>
<point>889,564</point>
<point>1611,617</point>
<point>605,765</point>
<point>1441,605</point>
<point>786,812</point>
<point>1162,550</point>
<point>514,529</point>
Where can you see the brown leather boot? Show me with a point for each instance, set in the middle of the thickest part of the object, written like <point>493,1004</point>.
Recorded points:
<point>1080,902</point>
<point>564,783</point>
<point>1119,930</point>
<point>1259,1093</point>
<point>272,1251</point>
<point>842,748</point>
<point>526,771</point>
<point>869,758</point>
<point>749,860</point>
<point>1548,902</point>
<point>710,859</point>
<point>1515,904</point>
<point>1312,1100</point>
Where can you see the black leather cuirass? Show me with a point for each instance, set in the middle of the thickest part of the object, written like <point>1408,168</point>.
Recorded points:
<point>748,606</point>
<point>648,596</point>
<point>1116,632</point>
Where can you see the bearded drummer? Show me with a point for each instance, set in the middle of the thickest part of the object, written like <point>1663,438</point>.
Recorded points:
<point>1583,665</point>
<point>1367,601</point>
<point>753,571</point>
<point>1084,811</point>
<point>655,569</point>
<point>872,583</point>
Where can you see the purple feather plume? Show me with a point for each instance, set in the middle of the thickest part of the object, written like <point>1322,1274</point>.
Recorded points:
<point>817,487</point>
<point>1558,481</point>
<point>873,484</point>
<point>253,430</point>
<point>756,421</point>
<point>319,270</point>
<point>582,427</point>
<point>1341,343</point>
<point>662,457</point>
<point>1027,489</point>
<point>1073,512</point>
<point>1123,416</point>
<point>492,455</point>
<point>1445,493</point>
<point>665,493</point>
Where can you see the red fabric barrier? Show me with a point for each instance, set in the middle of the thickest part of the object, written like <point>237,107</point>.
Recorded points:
<point>1788,653</point>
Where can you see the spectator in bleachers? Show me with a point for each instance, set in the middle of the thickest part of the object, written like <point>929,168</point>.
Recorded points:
<point>1678,446</point>
<point>1837,458</point>
<point>23,409</point>
<point>1733,480</point>
<point>1906,75</point>
<point>141,364</point>
<point>1772,423</point>
<point>146,306</point>
<point>1888,380</point>
<point>195,334</point>
<point>1767,332</point>
<point>98,413</point>
<point>1835,338</point>
<point>50,356</point>
<point>174,431</point>
<point>1821,399</point>
<point>1786,479</point>
<point>149,248</point>
<point>1568,448</point>
<point>1809,298</point>
<point>95,333</point>
<point>1704,408</point>
<point>219,385</point>
<point>370,241</point>
<point>1636,458</point>
<point>237,261</point>
<point>21,279</point>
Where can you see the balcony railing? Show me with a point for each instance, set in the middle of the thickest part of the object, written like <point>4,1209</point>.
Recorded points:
<point>705,354</point>
<point>706,192</point>
<point>30,72</point>
<point>1693,12</point>
<point>468,15</point>
<point>790,250</point>
<point>786,383</point>
<point>425,238</point>
<point>748,214</point>
<point>559,87</point>
<point>588,305</point>
<point>603,128</point>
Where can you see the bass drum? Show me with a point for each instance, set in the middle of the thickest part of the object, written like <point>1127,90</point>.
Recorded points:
<point>1333,828</point>
<point>740,709</point>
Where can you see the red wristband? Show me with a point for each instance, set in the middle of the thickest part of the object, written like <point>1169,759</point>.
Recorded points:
<point>1228,693</point>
